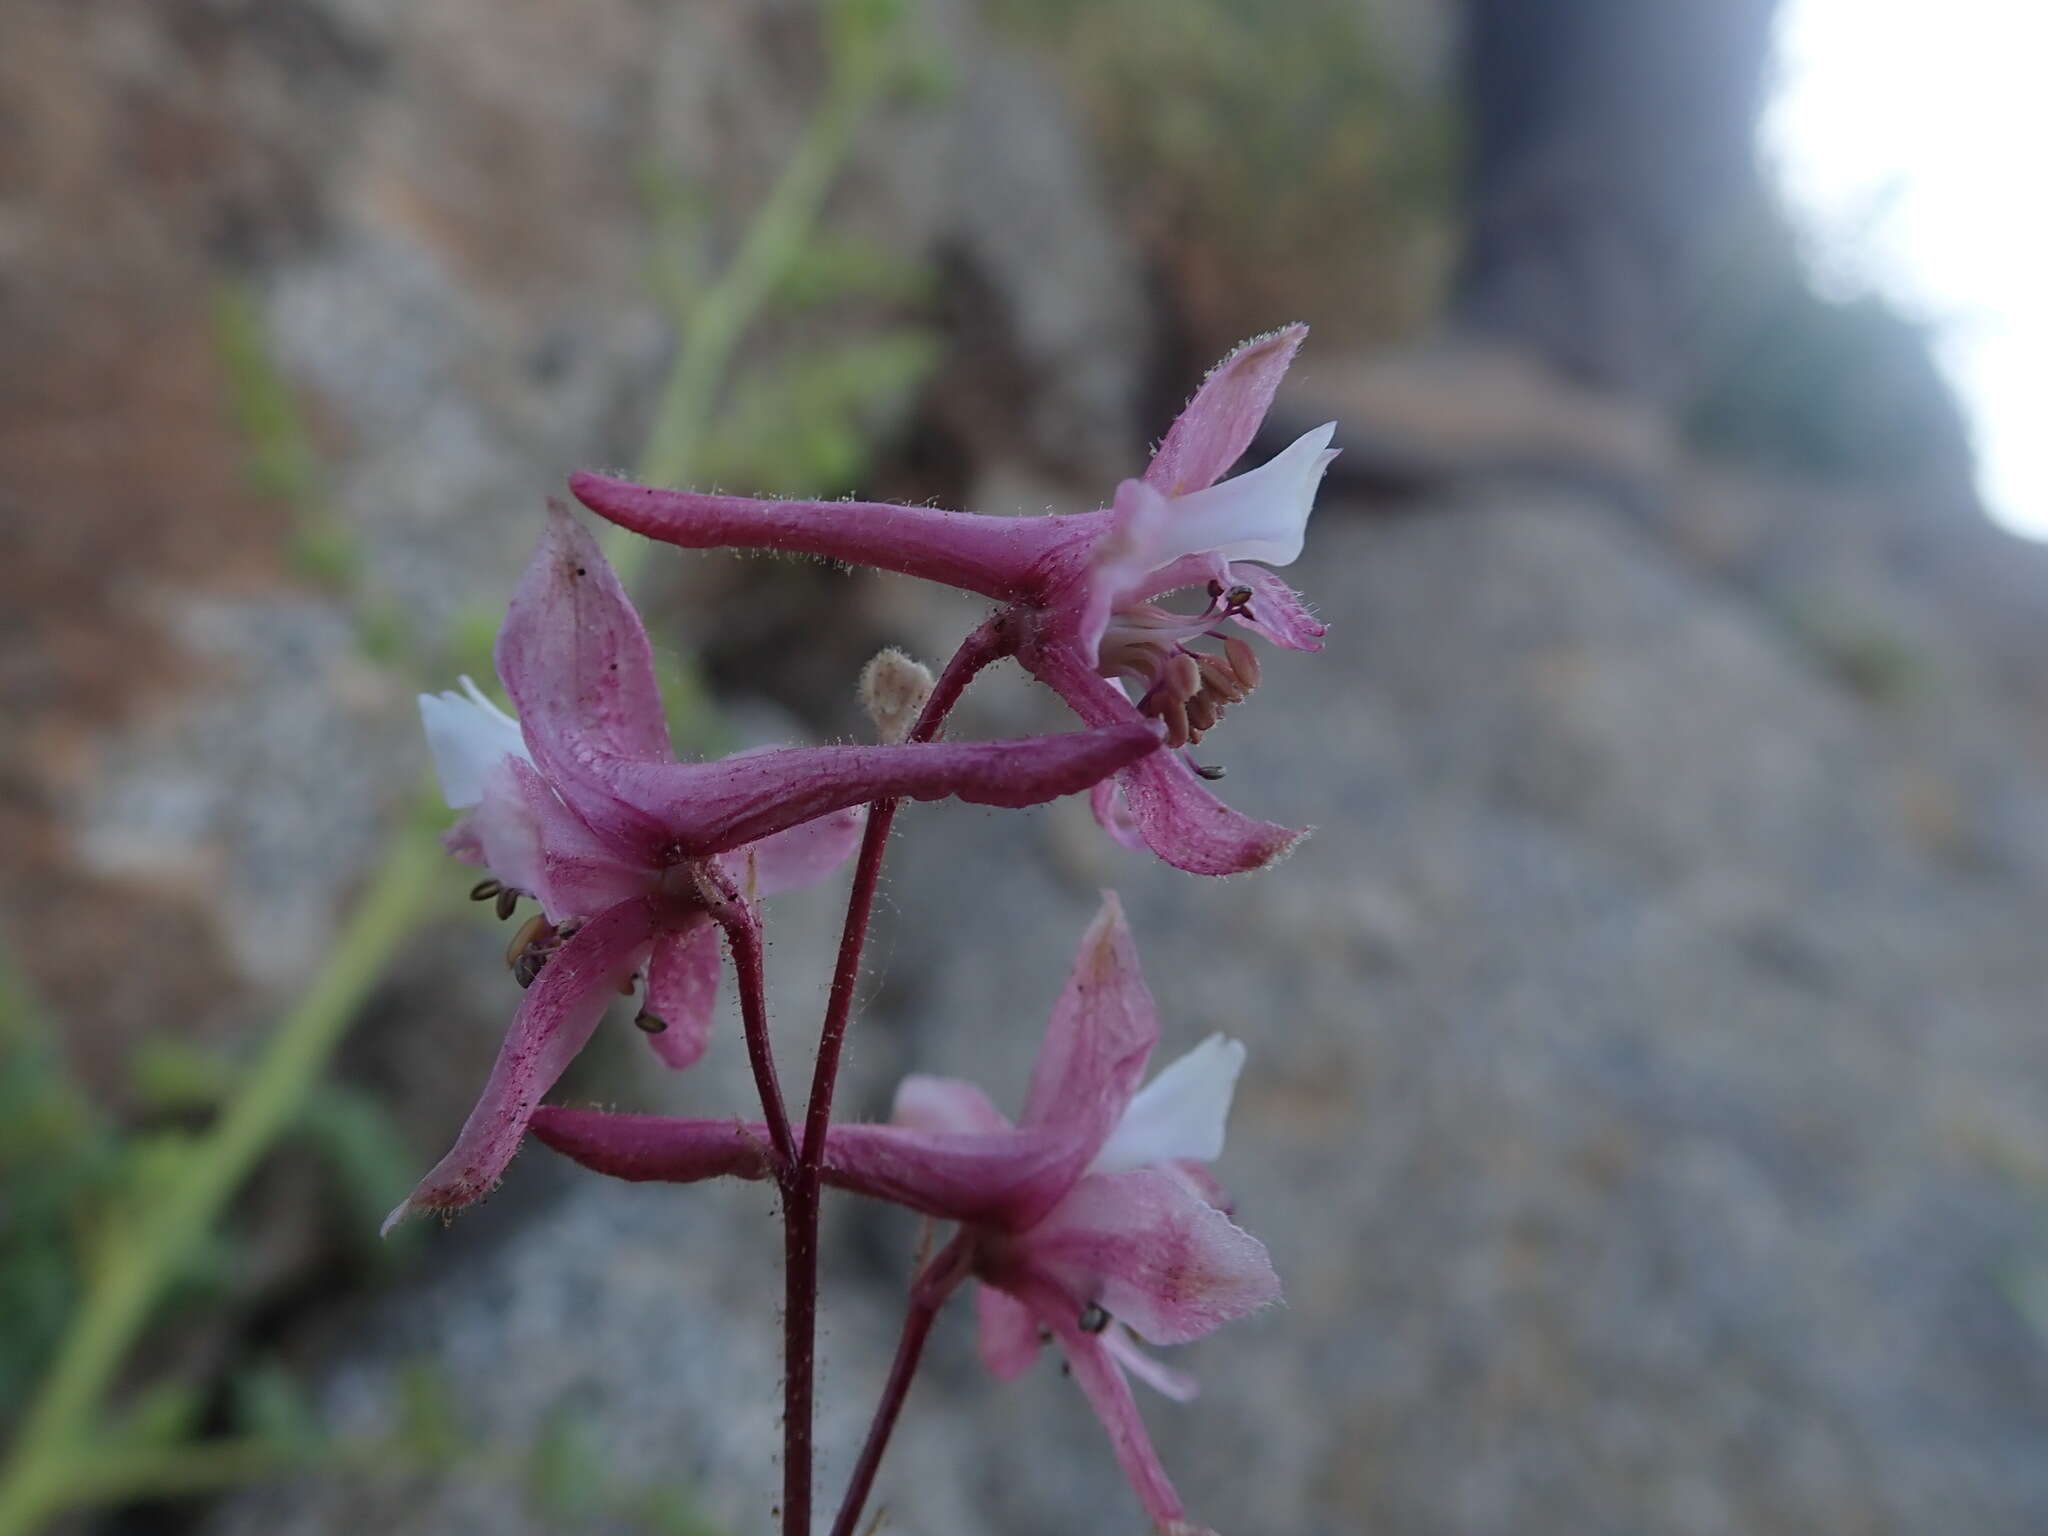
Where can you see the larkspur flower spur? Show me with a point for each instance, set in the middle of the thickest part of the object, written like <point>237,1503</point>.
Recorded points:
<point>631,854</point>
<point>1081,591</point>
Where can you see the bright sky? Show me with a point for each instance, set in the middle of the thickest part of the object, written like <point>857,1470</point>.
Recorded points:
<point>1910,137</point>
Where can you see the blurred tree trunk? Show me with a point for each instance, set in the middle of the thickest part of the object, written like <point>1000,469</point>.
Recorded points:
<point>1611,161</point>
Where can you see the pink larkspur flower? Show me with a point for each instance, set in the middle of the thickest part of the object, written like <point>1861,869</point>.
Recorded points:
<point>582,804</point>
<point>1092,1220</point>
<point>1082,591</point>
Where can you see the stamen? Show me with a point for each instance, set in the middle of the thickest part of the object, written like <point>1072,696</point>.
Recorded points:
<point>1244,661</point>
<point>1183,677</point>
<point>1201,714</point>
<point>1174,711</point>
<point>1093,1318</point>
<point>650,1021</point>
<point>1218,679</point>
<point>484,890</point>
<point>1210,771</point>
<point>507,900</point>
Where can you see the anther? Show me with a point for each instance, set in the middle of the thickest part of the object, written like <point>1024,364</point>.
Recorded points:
<point>1210,771</point>
<point>1244,661</point>
<point>484,890</point>
<point>1237,600</point>
<point>507,900</point>
<point>1201,713</point>
<point>1174,711</point>
<point>1093,1318</point>
<point>1183,677</point>
<point>1218,679</point>
<point>650,1021</point>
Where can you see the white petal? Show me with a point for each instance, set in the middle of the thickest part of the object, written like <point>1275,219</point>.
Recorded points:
<point>469,736</point>
<point>1261,514</point>
<point>1123,1347</point>
<point>1179,1114</point>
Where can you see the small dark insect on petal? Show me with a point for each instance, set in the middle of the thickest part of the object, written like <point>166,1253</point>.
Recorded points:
<point>530,948</point>
<point>529,932</point>
<point>1093,1318</point>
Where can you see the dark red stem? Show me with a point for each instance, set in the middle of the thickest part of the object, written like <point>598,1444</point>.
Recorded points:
<point>928,1293</point>
<point>742,925</point>
<point>800,1184</point>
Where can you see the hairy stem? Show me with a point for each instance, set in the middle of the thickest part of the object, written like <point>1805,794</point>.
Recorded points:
<point>742,925</point>
<point>989,642</point>
<point>934,1284</point>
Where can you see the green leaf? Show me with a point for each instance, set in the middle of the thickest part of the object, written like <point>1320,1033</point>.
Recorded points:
<point>806,426</point>
<point>270,1405</point>
<point>837,266</point>
<point>567,1474</point>
<point>163,1414</point>
<point>174,1075</point>
<point>363,1147</point>
<point>429,1431</point>
<point>280,458</point>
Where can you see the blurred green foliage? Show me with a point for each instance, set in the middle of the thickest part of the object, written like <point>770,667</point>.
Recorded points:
<point>111,1223</point>
<point>809,423</point>
<point>1272,140</point>
<point>60,1158</point>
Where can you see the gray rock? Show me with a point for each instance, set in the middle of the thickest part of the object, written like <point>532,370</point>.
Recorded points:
<point>1632,1109</point>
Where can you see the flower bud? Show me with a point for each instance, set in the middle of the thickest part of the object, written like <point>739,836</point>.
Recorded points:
<point>893,689</point>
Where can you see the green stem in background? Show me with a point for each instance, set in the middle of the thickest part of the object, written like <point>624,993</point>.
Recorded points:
<point>54,1463</point>
<point>773,242</point>
<point>136,1266</point>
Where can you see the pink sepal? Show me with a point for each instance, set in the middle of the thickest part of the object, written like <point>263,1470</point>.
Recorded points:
<point>1155,1254</point>
<point>1102,1030</point>
<point>1216,427</point>
<point>561,1010</point>
<point>803,854</point>
<point>682,991</point>
<point>1172,810</point>
<point>1008,1335</point>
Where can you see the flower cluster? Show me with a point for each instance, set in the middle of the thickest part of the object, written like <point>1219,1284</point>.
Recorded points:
<point>1091,1221</point>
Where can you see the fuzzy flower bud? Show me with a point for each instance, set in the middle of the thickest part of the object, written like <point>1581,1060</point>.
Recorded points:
<point>893,689</point>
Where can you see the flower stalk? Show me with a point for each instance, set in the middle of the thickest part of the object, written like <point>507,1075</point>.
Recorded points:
<point>800,1188</point>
